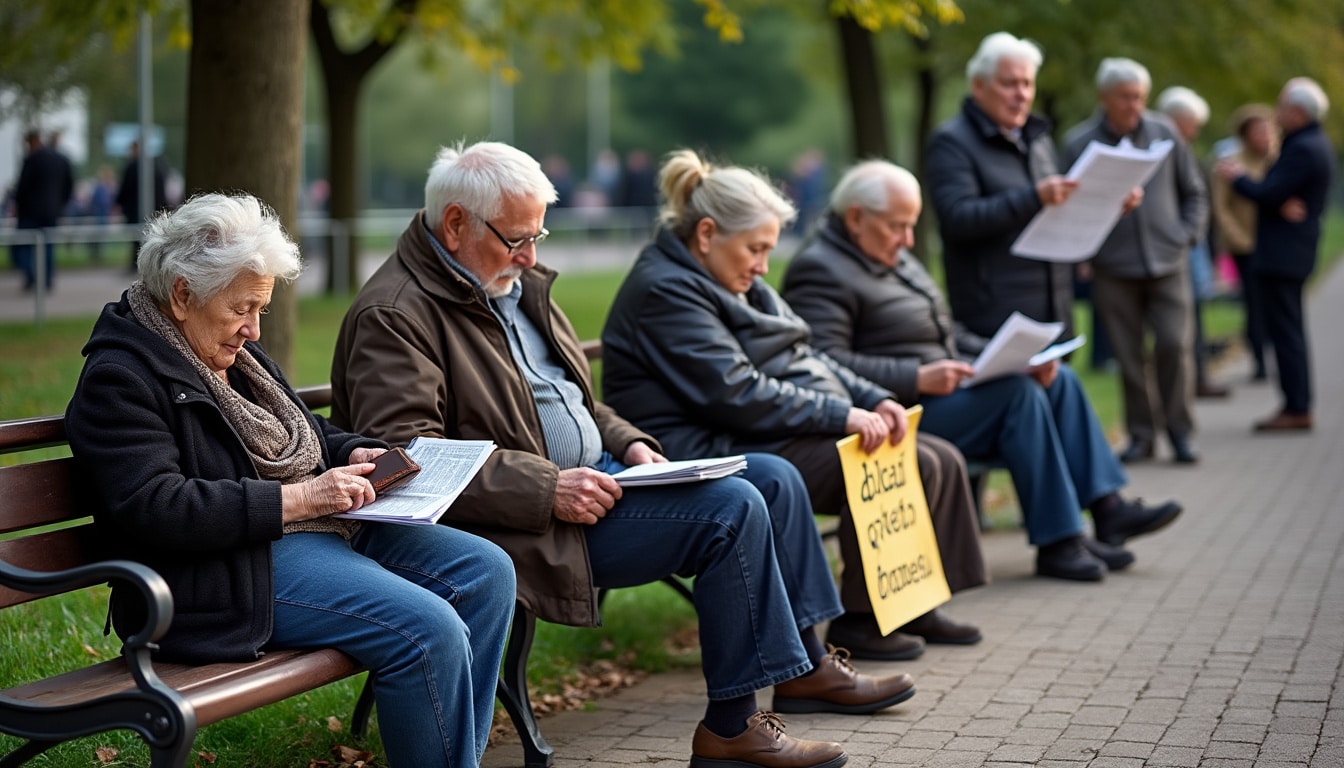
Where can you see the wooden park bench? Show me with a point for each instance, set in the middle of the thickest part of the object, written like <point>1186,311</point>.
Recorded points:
<point>50,548</point>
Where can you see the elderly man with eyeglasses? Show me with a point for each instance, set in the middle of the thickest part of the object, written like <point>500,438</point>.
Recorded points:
<point>456,336</point>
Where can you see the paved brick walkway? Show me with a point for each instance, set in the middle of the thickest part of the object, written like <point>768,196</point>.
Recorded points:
<point>1221,648</point>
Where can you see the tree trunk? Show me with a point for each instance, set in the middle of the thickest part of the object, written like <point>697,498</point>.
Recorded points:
<point>927,96</point>
<point>245,116</point>
<point>342,89</point>
<point>344,73</point>
<point>868,121</point>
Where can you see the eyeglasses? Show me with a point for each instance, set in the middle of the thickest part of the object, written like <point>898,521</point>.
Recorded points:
<point>514,245</point>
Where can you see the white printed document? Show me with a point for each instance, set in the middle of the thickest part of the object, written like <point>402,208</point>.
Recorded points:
<point>1017,342</point>
<point>1075,229</point>
<point>671,472</point>
<point>446,466</point>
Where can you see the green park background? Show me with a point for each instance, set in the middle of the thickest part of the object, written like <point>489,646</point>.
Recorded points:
<point>756,82</point>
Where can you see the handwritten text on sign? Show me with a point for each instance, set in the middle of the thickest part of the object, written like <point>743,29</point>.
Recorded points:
<point>901,564</point>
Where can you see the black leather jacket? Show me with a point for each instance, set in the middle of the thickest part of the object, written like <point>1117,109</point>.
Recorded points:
<point>983,189</point>
<point>709,372</point>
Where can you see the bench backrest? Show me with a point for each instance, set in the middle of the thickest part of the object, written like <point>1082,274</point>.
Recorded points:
<point>47,531</point>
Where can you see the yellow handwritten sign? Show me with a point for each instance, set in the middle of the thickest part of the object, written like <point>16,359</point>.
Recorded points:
<point>901,564</point>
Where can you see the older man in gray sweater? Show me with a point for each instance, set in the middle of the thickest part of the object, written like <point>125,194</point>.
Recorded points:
<point>1141,273</point>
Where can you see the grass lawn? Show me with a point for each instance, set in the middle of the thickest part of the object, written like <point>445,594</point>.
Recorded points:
<point>38,369</point>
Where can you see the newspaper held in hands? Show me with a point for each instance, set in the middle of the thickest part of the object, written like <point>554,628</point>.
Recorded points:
<point>671,472</point>
<point>1013,348</point>
<point>446,466</point>
<point>1075,229</point>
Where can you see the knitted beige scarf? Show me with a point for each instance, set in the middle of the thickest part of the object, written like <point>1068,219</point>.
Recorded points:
<point>275,431</point>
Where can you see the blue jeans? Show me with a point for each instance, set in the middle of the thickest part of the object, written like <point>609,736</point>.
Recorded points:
<point>426,608</point>
<point>1049,438</point>
<point>750,542</point>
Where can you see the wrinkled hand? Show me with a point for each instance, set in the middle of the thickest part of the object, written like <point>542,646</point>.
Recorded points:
<point>341,489</point>
<point>1053,190</point>
<point>1229,169</point>
<point>898,421</point>
<point>1133,200</point>
<point>584,495</point>
<point>942,377</point>
<point>870,426</point>
<point>365,455</point>
<point>1294,210</point>
<point>641,452</point>
<point>1045,373</point>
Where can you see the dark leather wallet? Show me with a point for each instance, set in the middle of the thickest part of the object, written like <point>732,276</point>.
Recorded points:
<point>392,469</point>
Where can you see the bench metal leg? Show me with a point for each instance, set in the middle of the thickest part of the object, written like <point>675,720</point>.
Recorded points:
<point>512,691</point>
<point>359,721</point>
<point>25,752</point>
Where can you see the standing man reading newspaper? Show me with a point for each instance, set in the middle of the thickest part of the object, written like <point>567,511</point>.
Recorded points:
<point>456,336</point>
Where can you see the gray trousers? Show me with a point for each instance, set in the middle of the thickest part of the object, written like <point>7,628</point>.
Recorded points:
<point>1130,310</point>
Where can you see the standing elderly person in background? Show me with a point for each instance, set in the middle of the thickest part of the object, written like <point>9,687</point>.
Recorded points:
<point>1234,218</point>
<point>874,308</point>
<point>456,335</point>
<point>705,355</point>
<point>1141,274</point>
<point>990,170</point>
<point>1291,201</point>
<point>46,184</point>
<point>1189,112</point>
<point>203,464</point>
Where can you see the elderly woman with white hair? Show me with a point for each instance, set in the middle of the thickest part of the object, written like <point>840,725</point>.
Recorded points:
<point>202,463</point>
<point>702,353</point>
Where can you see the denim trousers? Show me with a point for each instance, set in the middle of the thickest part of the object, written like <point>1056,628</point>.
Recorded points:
<point>751,545</point>
<point>426,608</point>
<point>1049,438</point>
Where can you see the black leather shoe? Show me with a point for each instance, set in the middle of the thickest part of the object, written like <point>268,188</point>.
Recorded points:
<point>1128,518</point>
<point>1069,559</point>
<point>1115,558</point>
<point>938,629</point>
<point>1182,450</point>
<point>1139,449</point>
<point>858,632</point>
<point>1207,390</point>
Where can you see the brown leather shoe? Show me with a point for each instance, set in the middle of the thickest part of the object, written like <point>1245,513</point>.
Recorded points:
<point>835,686</point>
<point>860,634</point>
<point>938,628</point>
<point>763,744</point>
<point>1285,421</point>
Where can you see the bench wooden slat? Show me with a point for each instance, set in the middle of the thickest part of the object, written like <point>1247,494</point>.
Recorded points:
<point>36,494</point>
<point>50,551</point>
<point>216,691</point>
<point>28,434</point>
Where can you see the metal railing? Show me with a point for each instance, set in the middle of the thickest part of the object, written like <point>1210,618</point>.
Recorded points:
<point>581,223</point>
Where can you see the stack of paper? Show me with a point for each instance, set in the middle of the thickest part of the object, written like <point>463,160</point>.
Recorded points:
<point>446,466</point>
<point>1019,344</point>
<point>689,471</point>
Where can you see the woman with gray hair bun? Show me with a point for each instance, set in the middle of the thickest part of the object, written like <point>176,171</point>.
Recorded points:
<point>204,464</point>
<point>703,354</point>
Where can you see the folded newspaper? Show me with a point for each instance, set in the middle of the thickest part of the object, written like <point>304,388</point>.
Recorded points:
<point>689,471</point>
<point>446,466</point>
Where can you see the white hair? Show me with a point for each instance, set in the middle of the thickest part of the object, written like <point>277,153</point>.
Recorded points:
<point>1179,100</point>
<point>736,199</point>
<point>480,176</point>
<point>211,240</point>
<point>1307,95</point>
<point>996,48</point>
<point>869,184</point>
<point>1118,71</point>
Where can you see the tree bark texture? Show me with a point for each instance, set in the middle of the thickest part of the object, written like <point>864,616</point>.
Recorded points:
<point>245,118</point>
<point>868,122</point>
